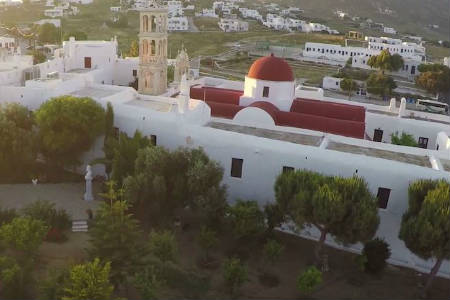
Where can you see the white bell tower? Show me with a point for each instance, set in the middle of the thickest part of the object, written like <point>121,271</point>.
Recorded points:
<point>153,49</point>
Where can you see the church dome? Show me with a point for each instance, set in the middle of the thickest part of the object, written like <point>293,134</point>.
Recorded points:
<point>271,68</point>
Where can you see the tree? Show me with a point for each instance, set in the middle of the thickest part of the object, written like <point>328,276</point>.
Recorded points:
<point>247,220</point>
<point>380,84</point>
<point>49,34</point>
<point>164,181</point>
<point>386,62</point>
<point>52,288</point>
<point>125,151</point>
<point>425,226</point>
<point>21,238</point>
<point>235,274</point>
<point>133,51</point>
<point>435,78</point>
<point>404,140</point>
<point>115,236</point>
<point>308,281</point>
<point>110,141</point>
<point>274,216</point>
<point>23,235</point>
<point>89,281</point>
<point>78,35</point>
<point>207,239</point>
<point>343,207</point>
<point>38,57</point>
<point>350,86</point>
<point>170,73</point>
<point>163,245</point>
<point>17,143</point>
<point>68,126</point>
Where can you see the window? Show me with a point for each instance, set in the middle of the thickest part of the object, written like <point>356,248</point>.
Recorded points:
<point>153,139</point>
<point>236,167</point>
<point>288,169</point>
<point>437,147</point>
<point>134,73</point>
<point>423,142</point>
<point>383,197</point>
<point>266,92</point>
<point>378,135</point>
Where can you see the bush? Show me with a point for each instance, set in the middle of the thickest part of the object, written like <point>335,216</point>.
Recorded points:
<point>308,281</point>
<point>235,274</point>
<point>207,239</point>
<point>55,235</point>
<point>46,212</point>
<point>376,253</point>
<point>404,140</point>
<point>163,245</point>
<point>272,251</point>
<point>246,219</point>
<point>52,288</point>
<point>7,215</point>
<point>148,282</point>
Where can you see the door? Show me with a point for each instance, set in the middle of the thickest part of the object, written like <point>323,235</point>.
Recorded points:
<point>87,62</point>
<point>423,142</point>
<point>413,70</point>
<point>378,135</point>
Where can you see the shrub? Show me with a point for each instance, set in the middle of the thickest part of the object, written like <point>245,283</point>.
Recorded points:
<point>7,215</point>
<point>235,274</point>
<point>376,253</point>
<point>46,212</point>
<point>308,281</point>
<point>163,245</point>
<point>247,219</point>
<point>148,282</point>
<point>55,235</point>
<point>272,251</point>
<point>207,239</point>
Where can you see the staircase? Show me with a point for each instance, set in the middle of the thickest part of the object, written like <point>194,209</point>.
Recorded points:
<point>79,226</point>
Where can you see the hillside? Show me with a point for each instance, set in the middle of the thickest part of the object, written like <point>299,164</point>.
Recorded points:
<point>411,16</point>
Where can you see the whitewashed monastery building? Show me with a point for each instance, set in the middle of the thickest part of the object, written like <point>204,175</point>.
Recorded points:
<point>255,129</point>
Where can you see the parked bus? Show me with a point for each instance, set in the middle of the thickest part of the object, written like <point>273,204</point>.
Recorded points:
<point>432,106</point>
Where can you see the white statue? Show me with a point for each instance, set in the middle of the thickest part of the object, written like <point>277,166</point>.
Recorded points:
<point>88,194</point>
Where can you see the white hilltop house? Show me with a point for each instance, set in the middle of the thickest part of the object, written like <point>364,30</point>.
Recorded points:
<point>178,24</point>
<point>250,14</point>
<point>233,25</point>
<point>254,129</point>
<point>413,54</point>
<point>56,22</point>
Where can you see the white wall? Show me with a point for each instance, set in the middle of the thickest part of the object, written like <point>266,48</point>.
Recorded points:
<point>281,93</point>
<point>123,70</point>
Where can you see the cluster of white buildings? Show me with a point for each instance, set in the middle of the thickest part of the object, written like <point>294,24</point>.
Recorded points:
<point>251,14</point>
<point>63,10</point>
<point>233,25</point>
<point>278,22</point>
<point>254,129</point>
<point>413,54</point>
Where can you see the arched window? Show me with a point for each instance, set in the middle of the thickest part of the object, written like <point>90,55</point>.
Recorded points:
<point>152,24</point>
<point>145,23</point>
<point>153,50</point>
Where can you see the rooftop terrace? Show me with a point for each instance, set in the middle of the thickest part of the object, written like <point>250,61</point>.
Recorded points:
<point>310,140</point>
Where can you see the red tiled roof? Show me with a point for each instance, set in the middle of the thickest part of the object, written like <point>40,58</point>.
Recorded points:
<point>271,68</point>
<point>329,109</point>
<point>215,94</point>
<point>267,107</point>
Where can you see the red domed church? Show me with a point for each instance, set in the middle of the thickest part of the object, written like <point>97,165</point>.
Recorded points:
<point>270,87</point>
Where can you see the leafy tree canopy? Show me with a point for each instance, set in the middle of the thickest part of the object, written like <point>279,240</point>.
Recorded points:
<point>89,281</point>
<point>434,78</point>
<point>247,219</point>
<point>164,181</point>
<point>17,142</point>
<point>49,34</point>
<point>68,126</point>
<point>78,35</point>
<point>380,84</point>
<point>116,237</point>
<point>386,62</point>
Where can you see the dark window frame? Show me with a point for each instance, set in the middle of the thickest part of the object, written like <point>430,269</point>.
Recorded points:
<point>236,167</point>
<point>266,91</point>
<point>383,195</point>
